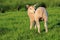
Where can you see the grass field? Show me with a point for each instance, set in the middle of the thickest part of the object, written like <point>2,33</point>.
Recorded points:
<point>15,26</point>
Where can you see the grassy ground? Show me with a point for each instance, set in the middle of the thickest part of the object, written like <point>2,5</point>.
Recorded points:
<point>15,26</point>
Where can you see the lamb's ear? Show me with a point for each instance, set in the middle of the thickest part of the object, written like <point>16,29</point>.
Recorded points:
<point>27,6</point>
<point>35,4</point>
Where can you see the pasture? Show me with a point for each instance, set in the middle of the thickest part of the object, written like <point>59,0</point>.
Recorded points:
<point>14,25</point>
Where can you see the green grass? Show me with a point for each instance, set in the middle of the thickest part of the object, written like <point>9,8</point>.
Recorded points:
<point>15,4</point>
<point>15,26</point>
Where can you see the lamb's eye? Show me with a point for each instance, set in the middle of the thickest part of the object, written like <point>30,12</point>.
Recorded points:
<point>30,8</point>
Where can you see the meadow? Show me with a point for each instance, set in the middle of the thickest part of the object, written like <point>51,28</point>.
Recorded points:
<point>14,25</point>
<point>15,4</point>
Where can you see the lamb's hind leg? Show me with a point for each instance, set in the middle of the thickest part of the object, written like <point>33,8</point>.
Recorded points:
<point>38,25</point>
<point>45,25</point>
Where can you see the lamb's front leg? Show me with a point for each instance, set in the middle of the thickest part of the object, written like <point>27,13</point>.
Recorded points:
<point>31,23</point>
<point>35,24</point>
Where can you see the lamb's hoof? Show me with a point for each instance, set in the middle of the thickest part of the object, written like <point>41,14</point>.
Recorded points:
<point>30,28</point>
<point>39,32</point>
<point>46,31</point>
<point>35,27</point>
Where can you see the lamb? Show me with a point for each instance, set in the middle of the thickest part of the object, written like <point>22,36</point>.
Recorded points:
<point>35,16</point>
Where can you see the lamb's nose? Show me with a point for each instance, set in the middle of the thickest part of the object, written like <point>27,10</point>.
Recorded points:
<point>34,11</point>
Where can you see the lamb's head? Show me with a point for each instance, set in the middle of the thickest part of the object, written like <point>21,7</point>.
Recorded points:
<point>31,9</point>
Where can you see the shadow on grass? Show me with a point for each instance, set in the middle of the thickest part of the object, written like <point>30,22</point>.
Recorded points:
<point>4,31</point>
<point>56,25</point>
